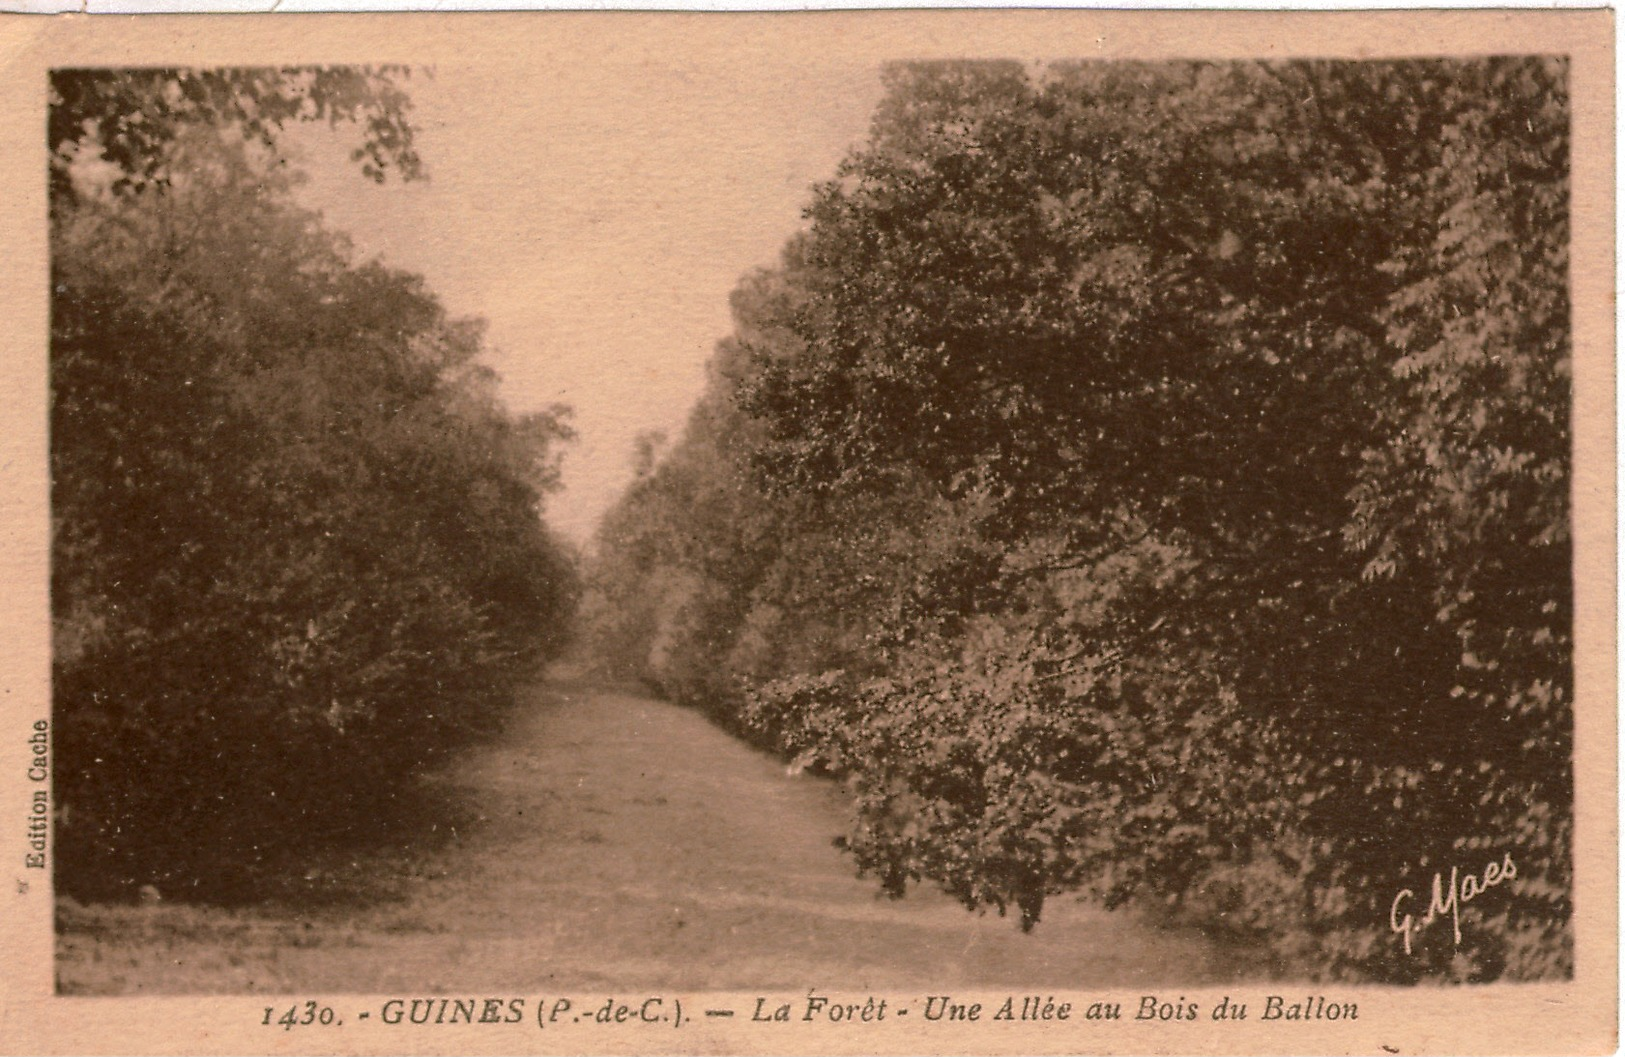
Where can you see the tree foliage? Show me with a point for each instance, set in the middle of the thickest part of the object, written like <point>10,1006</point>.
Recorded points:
<point>297,551</point>
<point>133,116</point>
<point>1152,480</point>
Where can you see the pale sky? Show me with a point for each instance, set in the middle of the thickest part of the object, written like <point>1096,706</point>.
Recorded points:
<point>598,216</point>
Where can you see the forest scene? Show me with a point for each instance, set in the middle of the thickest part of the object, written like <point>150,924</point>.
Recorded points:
<point>1129,525</point>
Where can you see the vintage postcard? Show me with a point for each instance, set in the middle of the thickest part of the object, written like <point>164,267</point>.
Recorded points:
<point>866,532</point>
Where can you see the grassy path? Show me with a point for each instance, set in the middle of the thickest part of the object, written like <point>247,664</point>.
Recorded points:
<point>623,843</point>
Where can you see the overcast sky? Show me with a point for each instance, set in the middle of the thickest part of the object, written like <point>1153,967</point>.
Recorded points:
<point>598,216</point>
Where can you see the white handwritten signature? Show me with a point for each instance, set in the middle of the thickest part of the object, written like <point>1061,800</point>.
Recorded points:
<point>1449,900</point>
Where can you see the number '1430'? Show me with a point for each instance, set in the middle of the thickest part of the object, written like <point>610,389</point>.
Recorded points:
<point>300,1016</point>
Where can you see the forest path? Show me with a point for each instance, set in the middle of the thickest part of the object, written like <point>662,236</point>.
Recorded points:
<point>624,843</point>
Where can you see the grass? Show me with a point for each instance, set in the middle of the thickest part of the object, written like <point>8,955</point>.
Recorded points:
<point>611,841</point>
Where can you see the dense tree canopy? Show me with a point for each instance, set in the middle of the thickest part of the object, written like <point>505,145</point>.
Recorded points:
<point>1152,480</point>
<point>298,551</point>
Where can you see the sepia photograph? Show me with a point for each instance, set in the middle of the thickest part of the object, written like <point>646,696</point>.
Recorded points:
<point>1094,532</point>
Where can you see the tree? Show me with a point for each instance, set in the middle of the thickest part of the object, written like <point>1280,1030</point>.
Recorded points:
<point>298,553</point>
<point>1181,449</point>
<point>132,116</point>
